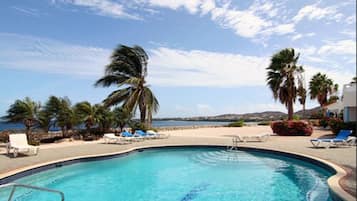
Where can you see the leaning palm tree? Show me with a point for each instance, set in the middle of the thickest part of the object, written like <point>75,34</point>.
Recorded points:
<point>25,111</point>
<point>321,87</point>
<point>281,78</point>
<point>128,70</point>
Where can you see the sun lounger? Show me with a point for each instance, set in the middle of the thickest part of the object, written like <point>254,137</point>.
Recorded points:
<point>111,138</point>
<point>130,137</point>
<point>340,139</point>
<point>252,138</point>
<point>157,135</point>
<point>18,144</point>
<point>142,134</point>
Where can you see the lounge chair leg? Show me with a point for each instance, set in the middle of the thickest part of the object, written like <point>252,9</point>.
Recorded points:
<point>15,153</point>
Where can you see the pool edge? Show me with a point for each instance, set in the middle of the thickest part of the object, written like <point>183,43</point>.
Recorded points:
<point>337,191</point>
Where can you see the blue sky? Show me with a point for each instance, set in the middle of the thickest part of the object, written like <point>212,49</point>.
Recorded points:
<point>207,57</point>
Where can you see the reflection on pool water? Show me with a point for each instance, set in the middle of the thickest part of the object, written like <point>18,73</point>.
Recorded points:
<point>182,174</point>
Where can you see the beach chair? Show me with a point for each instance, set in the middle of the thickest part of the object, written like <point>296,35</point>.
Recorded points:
<point>156,135</point>
<point>262,137</point>
<point>130,137</point>
<point>111,138</point>
<point>340,139</point>
<point>18,144</point>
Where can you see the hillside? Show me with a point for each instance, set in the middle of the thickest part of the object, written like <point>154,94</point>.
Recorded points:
<point>256,116</point>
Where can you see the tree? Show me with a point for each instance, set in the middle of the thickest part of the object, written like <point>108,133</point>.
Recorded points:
<point>122,117</point>
<point>321,87</point>
<point>25,111</point>
<point>281,77</point>
<point>301,92</point>
<point>105,118</point>
<point>128,70</point>
<point>86,113</point>
<point>57,112</point>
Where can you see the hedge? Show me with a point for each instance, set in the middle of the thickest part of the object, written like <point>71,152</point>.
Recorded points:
<point>292,128</point>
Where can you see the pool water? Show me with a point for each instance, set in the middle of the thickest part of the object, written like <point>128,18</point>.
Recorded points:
<point>182,174</point>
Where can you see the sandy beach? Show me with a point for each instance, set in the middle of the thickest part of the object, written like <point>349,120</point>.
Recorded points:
<point>195,136</point>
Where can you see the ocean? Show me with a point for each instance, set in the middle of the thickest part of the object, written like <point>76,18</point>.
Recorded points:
<point>155,124</point>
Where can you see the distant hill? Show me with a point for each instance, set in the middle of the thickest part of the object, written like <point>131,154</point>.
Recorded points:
<point>256,116</point>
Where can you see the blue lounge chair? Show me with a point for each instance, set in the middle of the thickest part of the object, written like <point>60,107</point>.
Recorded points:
<point>142,134</point>
<point>130,137</point>
<point>341,138</point>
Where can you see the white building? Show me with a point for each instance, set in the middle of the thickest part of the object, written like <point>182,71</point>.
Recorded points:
<point>349,102</point>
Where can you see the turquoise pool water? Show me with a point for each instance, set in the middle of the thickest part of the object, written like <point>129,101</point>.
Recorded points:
<point>183,174</point>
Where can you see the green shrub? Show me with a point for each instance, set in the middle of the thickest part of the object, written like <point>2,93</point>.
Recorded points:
<point>292,128</point>
<point>324,122</point>
<point>337,124</point>
<point>239,123</point>
<point>296,117</point>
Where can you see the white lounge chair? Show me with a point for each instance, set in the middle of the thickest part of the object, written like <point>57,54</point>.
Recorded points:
<point>256,137</point>
<point>157,135</point>
<point>111,138</point>
<point>18,144</point>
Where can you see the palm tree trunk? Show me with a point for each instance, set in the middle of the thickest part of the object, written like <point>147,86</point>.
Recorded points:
<point>290,110</point>
<point>142,112</point>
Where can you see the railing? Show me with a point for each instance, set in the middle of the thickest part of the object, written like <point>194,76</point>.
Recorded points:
<point>15,185</point>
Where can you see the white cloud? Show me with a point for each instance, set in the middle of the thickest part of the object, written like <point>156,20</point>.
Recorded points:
<point>300,36</point>
<point>351,19</point>
<point>341,47</point>
<point>313,12</point>
<point>173,67</point>
<point>27,11</point>
<point>104,7</point>
<point>167,67</point>
<point>51,56</point>
<point>245,23</point>
<point>280,29</point>
<point>296,37</point>
<point>191,5</point>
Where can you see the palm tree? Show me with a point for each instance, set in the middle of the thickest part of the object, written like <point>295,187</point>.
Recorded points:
<point>321,87</point>
<point>122,117</point>
<point>25,111</point>
<point>128,70</point>
<point>86,113</point>
<point>105,118</point>
<point>281,77</point>
<point>301,92</point>
<point>58,112</point>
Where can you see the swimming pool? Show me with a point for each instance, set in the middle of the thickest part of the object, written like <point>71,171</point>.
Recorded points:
<point>183,174</point>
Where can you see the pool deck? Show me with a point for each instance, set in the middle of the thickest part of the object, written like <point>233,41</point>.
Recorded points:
<point>344,157</point>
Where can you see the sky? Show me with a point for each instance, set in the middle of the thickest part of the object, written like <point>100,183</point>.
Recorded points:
<point>206,57</point>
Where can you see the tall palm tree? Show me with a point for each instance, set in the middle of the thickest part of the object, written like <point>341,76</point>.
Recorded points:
<point>25,111</point>
<point>321,87</point>
<point>281,77</point>
<point>128,70</point>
